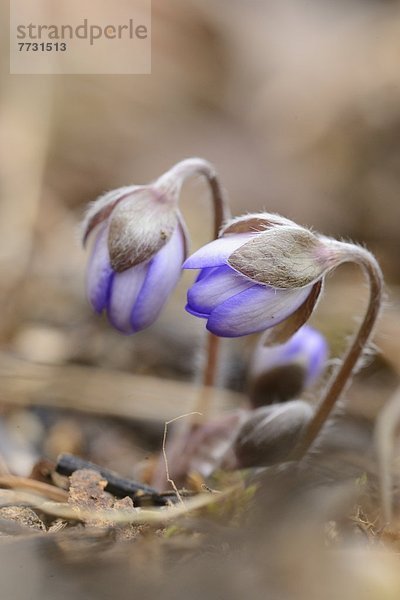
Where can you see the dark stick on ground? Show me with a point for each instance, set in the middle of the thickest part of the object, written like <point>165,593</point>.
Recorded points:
<point>140,493</point>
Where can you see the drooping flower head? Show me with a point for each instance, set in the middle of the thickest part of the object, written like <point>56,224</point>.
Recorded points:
<point>262,272</point>
<point>281,372</point>
<point>136,257</point>
<point>139,245</point>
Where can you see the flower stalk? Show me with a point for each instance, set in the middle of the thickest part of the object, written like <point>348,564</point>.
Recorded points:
<point>341,378</point>
<point>198,166</point>
<point>221,215</point>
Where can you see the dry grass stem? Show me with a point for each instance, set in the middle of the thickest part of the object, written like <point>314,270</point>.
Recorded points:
<point>171,481</point>
<point>385,431</point>
<point>89,389</point>
<point>36,487</point>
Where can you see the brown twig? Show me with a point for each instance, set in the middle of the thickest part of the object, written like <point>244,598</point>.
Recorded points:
<point>36,487</point>
<point>119,486</point>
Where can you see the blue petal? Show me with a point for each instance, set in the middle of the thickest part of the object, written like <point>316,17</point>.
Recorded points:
<point>195,313</point>
<point>317,350</point>
<point>99,273</point>
<point>214,287</point>
<point>307,348</point>
<point>255,309</point>
<point>295,346</point>
<point>162,276</point>
<point>205,272</point>
<point>125,289</point>
<point>216,253</point>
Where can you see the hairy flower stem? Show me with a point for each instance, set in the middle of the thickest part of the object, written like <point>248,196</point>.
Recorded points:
<point>221,215</point>
<point>342,376</point>
<point>176,446</point>
<point>212,358</point>
<point>181,171</point>
<point>202,404</point>
<point>194,166</point>
<point>198,166</point>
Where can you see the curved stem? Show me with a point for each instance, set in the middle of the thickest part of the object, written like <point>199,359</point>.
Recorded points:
<point>221,208</point>
<point>177,445</point>
<point>340,379</point>
<point>212,357</point>
<point>171,182</point>
<point>202,404</point>
<point>221,214</point>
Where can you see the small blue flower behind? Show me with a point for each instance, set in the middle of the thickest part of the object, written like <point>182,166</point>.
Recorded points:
<point>307,349</point>
<point>281,373</point>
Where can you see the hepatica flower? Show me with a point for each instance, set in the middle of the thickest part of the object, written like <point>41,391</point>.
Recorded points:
<point>266,273</point>
<point>129,277</point>
<point>281,372</point>
<point>139,246</point>
<point>263,272</point>
<point>307,349</point>
<point>242,287</point>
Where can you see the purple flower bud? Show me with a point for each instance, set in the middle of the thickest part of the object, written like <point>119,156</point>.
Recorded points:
<point>134,298</point>
<point>234,304</point>
<point>263,271</point>
<point>137,254</point>
<point>270,434</point>
<point>279,373</point>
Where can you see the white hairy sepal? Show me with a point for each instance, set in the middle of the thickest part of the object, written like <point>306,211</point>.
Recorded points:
<point>285,257</point>
<point>139,227</point>
<point>100,209</point>
<point>142,218</point>
<point>254,223</point>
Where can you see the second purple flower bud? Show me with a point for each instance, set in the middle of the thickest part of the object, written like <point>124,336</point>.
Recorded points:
<point>280,373</point>
<point>139,245</point>
<point>127,276</point>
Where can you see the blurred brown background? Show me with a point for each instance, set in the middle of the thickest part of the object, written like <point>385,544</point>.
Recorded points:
<point>297,104</point>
